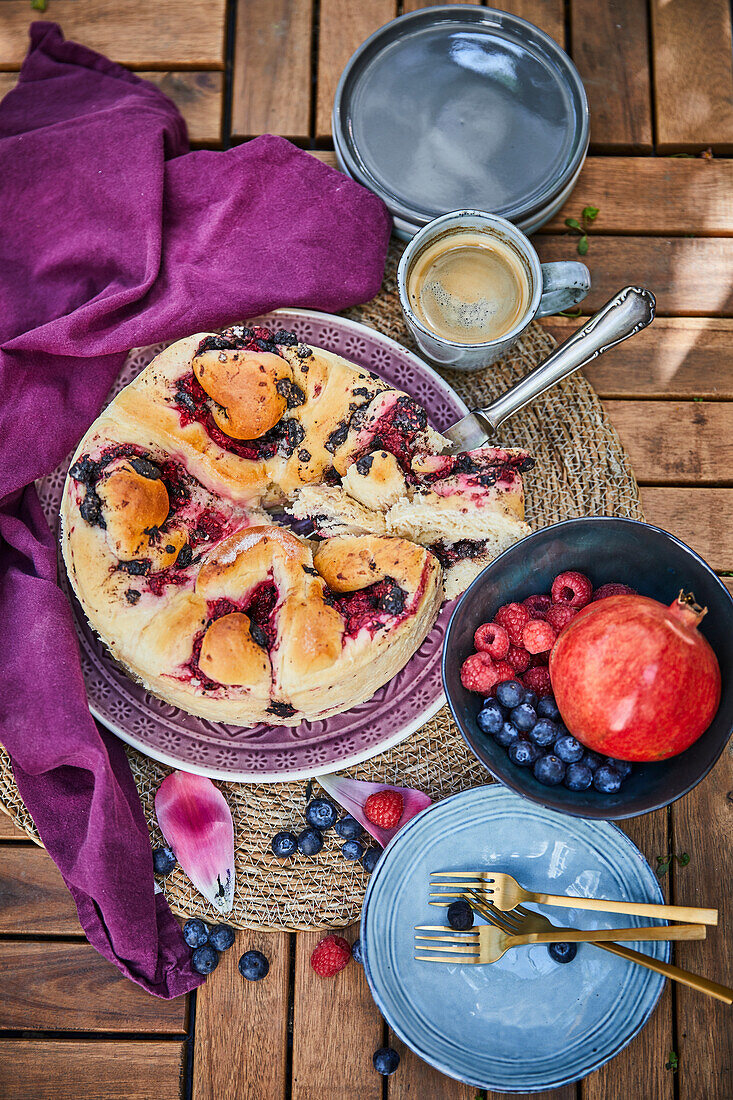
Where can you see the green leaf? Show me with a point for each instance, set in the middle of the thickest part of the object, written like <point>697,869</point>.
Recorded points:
<point>672,1062</point>
<point>569,312</point>
<point>583,245</point>
<point>39,5</point>
<point>573,223</point>
<point>590,213</point>
<point>663,865</point>
<point>683,860</point>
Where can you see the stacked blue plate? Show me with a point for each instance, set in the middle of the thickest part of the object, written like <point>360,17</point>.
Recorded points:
<point>462,107</point>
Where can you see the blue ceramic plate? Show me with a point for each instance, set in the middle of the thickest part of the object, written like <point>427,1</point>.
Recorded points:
<point>524,1023</point>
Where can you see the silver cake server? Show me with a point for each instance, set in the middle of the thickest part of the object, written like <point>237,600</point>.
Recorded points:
<point>628,312</point>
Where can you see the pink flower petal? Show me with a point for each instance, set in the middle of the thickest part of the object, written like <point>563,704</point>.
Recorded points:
<point>197,823</point>
<point>353,793</point>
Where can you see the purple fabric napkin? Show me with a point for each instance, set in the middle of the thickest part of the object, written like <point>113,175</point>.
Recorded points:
<point>113,236</point>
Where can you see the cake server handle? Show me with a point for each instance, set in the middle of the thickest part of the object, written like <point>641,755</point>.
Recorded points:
<point>627,313</point>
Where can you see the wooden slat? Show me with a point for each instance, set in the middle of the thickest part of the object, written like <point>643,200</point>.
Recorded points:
<point>638,1071</point>
<point>75,1070</point>
<point>701,826</point>
<point>610,48</point>
<point>241,1027</point>
<point>336,1029</point>
<point>416,5</point>
<point>272,68</point>
<point>198,96</point>
<point>693,79</point>
<point>33,897</point>
<point>169,34</point>
<point>548,15</point>
<point>675,442</point>
<point>687,276</point>
<point>343,25</point>
<point>702,518</point>
<point>675,357</point>
<point>69,987</point>
<point>666,196</point>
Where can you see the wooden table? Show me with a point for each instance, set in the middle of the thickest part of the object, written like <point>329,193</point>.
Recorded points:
<point>661,92</point>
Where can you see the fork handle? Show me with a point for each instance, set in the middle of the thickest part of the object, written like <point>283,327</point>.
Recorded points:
<point>674,973</point>
<point>686,913</point>
<point>596,935</point>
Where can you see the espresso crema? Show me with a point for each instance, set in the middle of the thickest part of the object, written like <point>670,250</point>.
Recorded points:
<point>469,287</point>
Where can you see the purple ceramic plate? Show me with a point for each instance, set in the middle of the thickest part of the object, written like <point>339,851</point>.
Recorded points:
<point>276,753</point>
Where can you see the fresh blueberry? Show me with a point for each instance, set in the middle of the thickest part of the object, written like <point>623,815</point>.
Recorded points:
<point>510,693</point>
<point>460,915</point>
<point>530,697</point>
<point>310,841</point>
<point>205,959</point>
<point>352,849</point>
<point>578,777</point>
<point>284,845</point>
<point>568,749</point>
<point>549,770</point>
<point>524,753</point>
<point>548,708</point>
<point>606,779</point>
<point>385,1061</point>
<point>370,859</point>
<point>321,814</point>
<point>348,828</point>
<point>524,717</point>
<point>563,952</point>
<point>506,735</point>
<point>253,966</point>
<point>592,759</point>
<point>221,936</point>
<point>356,952</point>
<point>491,701</point>
<point>623,767</point>
<point>195,932</point>
<point>544,732</point>
<point>163,861</point>
<point>491,718</point>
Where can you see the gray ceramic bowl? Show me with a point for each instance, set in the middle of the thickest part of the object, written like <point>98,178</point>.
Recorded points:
<point>607,549</point>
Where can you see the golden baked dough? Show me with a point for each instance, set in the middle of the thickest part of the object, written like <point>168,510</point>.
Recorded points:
<point>179,566</point>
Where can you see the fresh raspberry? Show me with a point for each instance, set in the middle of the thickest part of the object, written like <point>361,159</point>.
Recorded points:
<point>493,639</point>
<point>518,658</point>
<point>478,673</point>
<point>384,808</point>
<point>504,671</point>
<point>612,590</point>
<point>537,605</point>
<point>559,615</point>
<point>538,636</point>
<point>538,680</point>
<point>572,588</point>
<point>513,617</point>
<point>330,955</point>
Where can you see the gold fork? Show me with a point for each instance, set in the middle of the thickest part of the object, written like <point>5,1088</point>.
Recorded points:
<point>521,920</point>
<point>506,894</point>
<point>489,942</point>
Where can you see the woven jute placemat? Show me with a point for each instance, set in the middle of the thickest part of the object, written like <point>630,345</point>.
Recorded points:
<point>581,469</point>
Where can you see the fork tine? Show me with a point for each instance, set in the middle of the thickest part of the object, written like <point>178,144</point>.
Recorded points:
<point>485,875</point>
<point>450,939</point>
<point>442,928</point>
<point>462,886</point>
<point>463,949</point>
<point>441,959</point>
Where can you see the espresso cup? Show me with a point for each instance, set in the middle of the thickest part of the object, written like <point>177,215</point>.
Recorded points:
<point>541,288</point>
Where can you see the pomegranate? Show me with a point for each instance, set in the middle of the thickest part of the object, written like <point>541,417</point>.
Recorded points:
<point>634,679</point>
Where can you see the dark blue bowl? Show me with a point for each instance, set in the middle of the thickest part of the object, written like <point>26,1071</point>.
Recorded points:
<point>606,549</point>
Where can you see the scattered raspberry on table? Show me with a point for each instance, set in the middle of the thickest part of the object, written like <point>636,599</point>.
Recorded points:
<point>330,955</point>
<point>384,808</point>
